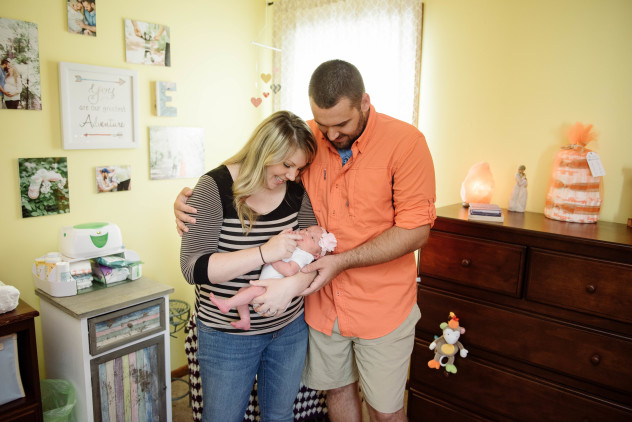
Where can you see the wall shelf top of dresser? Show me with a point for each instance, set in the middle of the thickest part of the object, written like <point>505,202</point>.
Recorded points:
<point>107,300</point>
<point>603,239</point>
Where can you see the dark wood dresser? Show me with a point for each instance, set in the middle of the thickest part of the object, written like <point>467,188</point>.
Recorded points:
<point>547,308</point>
<point>21,321</point>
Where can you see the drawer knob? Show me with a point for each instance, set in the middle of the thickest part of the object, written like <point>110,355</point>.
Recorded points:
<point>595,359</point>
<point>130,325</point>
<point>591,288</point>
<point>466,262</point>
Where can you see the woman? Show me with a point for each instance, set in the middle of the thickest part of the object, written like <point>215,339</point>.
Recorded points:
<point>245,211</point>
<point>13,88</point>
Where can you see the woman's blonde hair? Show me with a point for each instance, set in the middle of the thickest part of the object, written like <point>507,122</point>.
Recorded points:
<point>274,140</point>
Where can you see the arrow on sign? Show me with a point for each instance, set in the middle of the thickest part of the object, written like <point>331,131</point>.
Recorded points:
<point>79,78</point>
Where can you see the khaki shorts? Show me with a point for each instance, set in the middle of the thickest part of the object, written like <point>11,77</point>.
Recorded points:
<point>381,364</point>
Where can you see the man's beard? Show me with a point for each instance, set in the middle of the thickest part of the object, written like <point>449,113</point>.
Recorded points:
<point>354,136</point>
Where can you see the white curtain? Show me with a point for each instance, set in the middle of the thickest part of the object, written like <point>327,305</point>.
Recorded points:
<point>382,38</point>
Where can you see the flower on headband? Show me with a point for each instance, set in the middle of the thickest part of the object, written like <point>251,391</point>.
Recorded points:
<point>327,242</point>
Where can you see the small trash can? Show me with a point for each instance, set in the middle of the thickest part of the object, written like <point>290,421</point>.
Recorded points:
<point>58,400</point>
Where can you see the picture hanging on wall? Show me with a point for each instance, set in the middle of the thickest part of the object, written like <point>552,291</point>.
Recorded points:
<point>99,106</point>
<point>19,58</point>
<point>113,178</point>
<point>82,17</point>
<point>44,186</point>
<point>147,43</point>
<point>176,152</point>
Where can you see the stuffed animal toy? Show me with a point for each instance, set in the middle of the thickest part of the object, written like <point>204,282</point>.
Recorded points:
<point>448,345</point>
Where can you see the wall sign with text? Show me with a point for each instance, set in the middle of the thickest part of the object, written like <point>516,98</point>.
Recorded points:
<point>99,106</point>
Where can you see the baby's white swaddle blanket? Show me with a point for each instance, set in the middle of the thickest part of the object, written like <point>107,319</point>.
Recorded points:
<point>9,296</point>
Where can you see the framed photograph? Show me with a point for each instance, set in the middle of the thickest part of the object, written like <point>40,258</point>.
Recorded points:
<point>147,43</point>
<point>82,17</point>
<point>113,178</point>
<point>44,186</point>
<point>99,106</point>
<point>19,54</point>
<point>176,152</point>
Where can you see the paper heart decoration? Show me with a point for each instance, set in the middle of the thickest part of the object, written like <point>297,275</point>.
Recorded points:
<point>275,88</point>
<point>265,77</point>
<point>265,94</point>
<point>256,101</point>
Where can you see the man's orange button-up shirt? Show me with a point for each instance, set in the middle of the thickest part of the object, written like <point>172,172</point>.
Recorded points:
<point>389,181</point>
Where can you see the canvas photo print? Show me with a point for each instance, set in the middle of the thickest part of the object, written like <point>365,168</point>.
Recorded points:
<point>176,152</point>
<point>113,178</point>
<point>82,17</point>
<point>44,186</point>
<point>147,43</point>
<point>19,66</point>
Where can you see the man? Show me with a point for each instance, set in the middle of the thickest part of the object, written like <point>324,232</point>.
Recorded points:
<point>371,184</point>
<point>90,17</point>
<point>4,66</point>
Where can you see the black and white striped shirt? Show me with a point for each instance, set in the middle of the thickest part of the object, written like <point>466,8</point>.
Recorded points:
<point>217,230</point>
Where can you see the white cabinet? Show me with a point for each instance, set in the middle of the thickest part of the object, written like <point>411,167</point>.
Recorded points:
<point>113,345</point>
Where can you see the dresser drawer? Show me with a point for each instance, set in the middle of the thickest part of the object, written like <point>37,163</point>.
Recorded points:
<point>586,355</point>
<point>108,331</point>
<point>424,408</point>
<point>596,287</point>
<point>506,395</point>
<point>487,265</point>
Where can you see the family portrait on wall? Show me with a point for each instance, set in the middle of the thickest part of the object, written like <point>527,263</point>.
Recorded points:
<point>19,66</point>
<point>82,17</point>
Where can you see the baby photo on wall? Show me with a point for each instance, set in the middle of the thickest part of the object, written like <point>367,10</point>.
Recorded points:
<point>44,186</point>
<point>113,178</point>
<point>19,66</point>
<point>147,43</point>
<point>82,17</point>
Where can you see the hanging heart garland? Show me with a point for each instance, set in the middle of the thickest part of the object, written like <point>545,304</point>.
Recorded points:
<point>275,88</point>
<point>265,94</point>
<point>256,101</point>
<point>265,77</point>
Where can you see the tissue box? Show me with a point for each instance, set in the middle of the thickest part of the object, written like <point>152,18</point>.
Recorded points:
<point>90,240</point>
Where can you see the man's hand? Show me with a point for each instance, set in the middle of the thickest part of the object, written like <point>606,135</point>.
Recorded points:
<point>327,268</point>
<point>180,209</point>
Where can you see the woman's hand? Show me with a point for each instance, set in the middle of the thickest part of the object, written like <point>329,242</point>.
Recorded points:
<point>280,246</point>
<point>279,293</point>
<point>180,209</point>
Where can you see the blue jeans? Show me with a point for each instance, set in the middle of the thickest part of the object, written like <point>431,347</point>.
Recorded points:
<point>229,363</point>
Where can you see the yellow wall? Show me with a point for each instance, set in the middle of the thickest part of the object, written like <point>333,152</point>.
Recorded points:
<point>503,79</point>
<point>215,67</point>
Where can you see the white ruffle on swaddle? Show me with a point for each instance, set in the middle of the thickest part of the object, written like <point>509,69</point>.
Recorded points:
<point>9,296</point>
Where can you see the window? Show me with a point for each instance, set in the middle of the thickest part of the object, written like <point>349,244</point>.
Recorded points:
<point>382,38</point>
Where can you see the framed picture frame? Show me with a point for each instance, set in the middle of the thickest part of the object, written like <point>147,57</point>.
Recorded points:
<point>99,107</point>
<point>130,381</point>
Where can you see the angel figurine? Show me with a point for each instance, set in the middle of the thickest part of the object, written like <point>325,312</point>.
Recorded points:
<point>518,199</point>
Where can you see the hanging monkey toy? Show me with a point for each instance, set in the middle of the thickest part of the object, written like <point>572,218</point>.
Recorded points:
<point>448,345</point>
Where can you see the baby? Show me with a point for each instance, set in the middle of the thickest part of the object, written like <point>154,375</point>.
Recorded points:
<point>315,243</point>
<point>75,13</point>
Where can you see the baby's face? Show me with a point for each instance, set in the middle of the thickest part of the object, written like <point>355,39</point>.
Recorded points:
<point>310,238</point>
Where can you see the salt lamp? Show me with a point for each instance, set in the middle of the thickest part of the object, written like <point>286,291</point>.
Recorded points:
<point>478,185</point>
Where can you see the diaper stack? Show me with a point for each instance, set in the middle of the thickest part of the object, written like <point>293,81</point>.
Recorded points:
<point>90,256</point>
